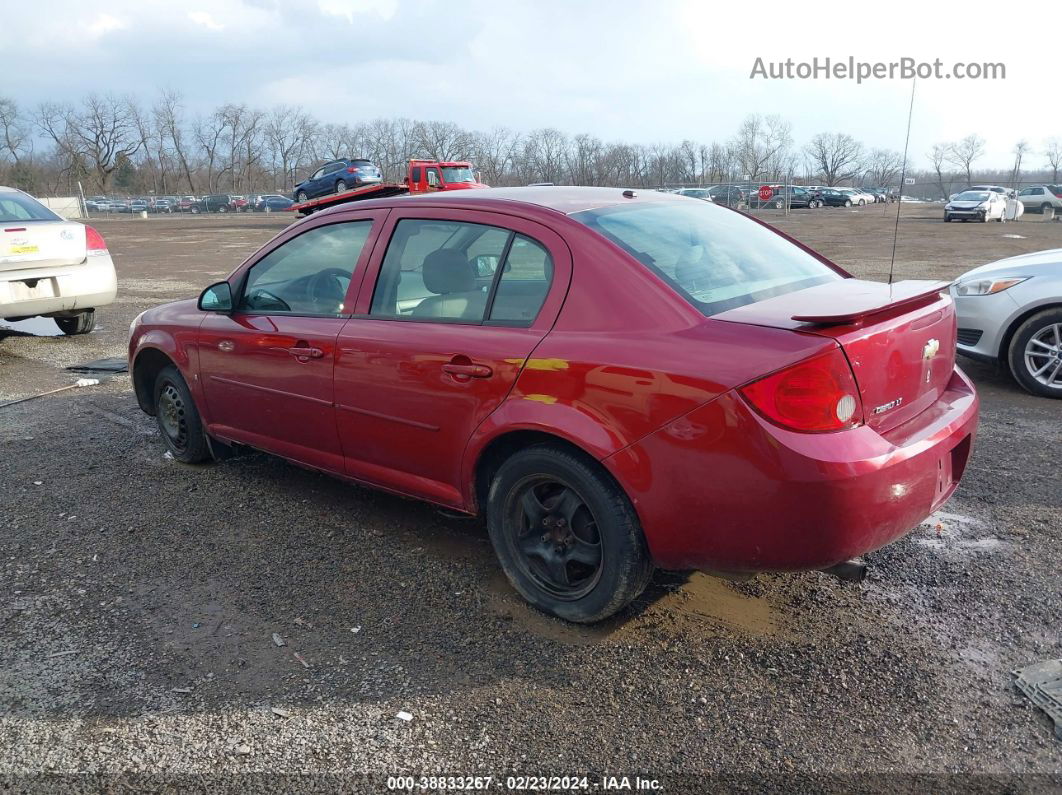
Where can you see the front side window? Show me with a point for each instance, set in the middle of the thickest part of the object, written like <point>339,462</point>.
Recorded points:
<point>307,275</point>
<point>717,260</point>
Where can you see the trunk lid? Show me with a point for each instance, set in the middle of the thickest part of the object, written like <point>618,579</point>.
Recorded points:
<point>899,338</point>
<point>41,244</point>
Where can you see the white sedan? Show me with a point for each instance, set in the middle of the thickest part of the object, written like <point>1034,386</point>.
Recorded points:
<point>50,266</point>
<point>1010,313</point>
<point>977,205</point>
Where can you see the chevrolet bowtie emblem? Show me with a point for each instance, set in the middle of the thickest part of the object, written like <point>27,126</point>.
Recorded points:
<point>930,350</point>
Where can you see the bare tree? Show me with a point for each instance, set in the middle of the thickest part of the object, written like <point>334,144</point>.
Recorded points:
<point>835,156</point>
<point>14,130</point>
<point>761,146</point>
<point>1053,151</point>
<point>963,154</point>
<point>1021,149</point>
<point>938,156</point>
<point>442,140</point>
<point>102,132</point>
<point>168,113</point>
<point>883,166</point>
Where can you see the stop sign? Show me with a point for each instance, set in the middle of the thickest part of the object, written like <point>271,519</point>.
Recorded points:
<point>765,192</point>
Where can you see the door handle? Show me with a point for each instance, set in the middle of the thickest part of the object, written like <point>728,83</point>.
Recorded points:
<point>465,371</point>
<point>304,352</point>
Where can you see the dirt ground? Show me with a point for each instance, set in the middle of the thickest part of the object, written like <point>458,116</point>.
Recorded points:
<point>139,598</point>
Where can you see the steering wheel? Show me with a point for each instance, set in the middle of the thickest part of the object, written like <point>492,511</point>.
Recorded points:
<point>326,287</point>
<point>264,300</point>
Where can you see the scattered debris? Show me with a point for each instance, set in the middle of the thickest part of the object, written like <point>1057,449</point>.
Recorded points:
<point>242,749</point>
<point>168,455</point>
<point>184,690</point>
<point>356,629</point>
<point>300,658</point>
<point>404,716</point>
<point>61,653</point>
<point>38,483</point>
<point>281,712</point>
<point>1042,683</point>
<point>278,640</point>
<point>196,625</point>
<point>1015,237</point>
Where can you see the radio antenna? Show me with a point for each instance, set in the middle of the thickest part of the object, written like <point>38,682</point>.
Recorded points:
<point>903,176</point>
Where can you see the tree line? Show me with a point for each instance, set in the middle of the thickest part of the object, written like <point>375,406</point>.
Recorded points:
<point>118,144</point>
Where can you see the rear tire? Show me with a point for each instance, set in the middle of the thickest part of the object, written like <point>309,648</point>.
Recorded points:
<point>81,323</point>
<point>300,196</point>
<point>178,418</point>
<point>1044,207</point>
<point>1026,356</point>
<point>847,202</point>
<point>947,218</point>
<point>341,186</point>
<point>566,535</point>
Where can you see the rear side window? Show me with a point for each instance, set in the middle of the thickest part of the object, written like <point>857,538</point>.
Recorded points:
<point>716,259</point>
<point>523,284</point>
<point>19,207</point>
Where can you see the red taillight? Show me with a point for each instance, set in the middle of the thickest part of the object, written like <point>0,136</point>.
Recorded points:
<point>1058,195</point>
<point>94,245</point>
<point>352,169</point>
<point>815,395</point>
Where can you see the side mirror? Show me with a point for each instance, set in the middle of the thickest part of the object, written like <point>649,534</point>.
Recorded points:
<point>216,298</point>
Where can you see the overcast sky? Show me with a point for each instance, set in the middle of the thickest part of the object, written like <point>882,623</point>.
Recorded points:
<point>622,70</point>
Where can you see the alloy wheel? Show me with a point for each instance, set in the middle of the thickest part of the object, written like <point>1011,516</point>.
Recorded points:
<point>555,536</point>
<point>1043,356</point>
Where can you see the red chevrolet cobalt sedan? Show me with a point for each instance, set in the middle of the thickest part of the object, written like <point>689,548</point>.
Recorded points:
<point>617,380</point>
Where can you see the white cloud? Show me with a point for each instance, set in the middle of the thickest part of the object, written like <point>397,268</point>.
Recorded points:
<point>348,9</point>
<point>203,19</point>
<point>104,24</point>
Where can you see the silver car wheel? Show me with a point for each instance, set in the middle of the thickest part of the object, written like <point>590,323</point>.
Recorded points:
<point>1043,356</point>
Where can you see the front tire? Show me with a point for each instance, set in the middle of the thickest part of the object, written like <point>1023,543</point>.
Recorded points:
<point>178,418</point>
<point>947,218</point>
<point>1035,354</point>
<point>300,196</point>
<point>566,535</point>
<point>847,202</point>
<point>341,186</point>
<point>81,323</point>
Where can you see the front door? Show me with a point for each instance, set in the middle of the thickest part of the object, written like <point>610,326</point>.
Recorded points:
<point>445,320</point>
<point>266,369</point>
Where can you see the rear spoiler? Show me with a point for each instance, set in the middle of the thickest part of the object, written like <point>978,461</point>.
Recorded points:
<point>871,298</point>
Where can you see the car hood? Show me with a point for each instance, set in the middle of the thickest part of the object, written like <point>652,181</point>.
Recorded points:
<point>964,205</point>
<point>1037,262</point>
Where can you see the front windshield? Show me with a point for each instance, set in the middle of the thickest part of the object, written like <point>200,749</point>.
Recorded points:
<point>971,196</point>
<point>715,258</point>
<point>458,174</point>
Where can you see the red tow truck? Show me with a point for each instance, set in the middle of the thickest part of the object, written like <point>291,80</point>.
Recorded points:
<point>422,176</point>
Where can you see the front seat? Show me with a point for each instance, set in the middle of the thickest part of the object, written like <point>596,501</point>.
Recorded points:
<point>450,276</point>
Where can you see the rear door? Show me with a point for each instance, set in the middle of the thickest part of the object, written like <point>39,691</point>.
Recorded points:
<point>447,315</point>
<point>266,369</point>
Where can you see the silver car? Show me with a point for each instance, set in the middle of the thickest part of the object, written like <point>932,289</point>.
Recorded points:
<point>1010,312</point>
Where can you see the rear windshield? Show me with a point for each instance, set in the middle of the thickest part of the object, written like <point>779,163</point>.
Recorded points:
<point>19,207</point>
<point>717,259</point>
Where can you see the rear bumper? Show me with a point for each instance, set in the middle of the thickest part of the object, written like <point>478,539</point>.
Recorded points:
<point>58,289</point>
<point>721,488</point>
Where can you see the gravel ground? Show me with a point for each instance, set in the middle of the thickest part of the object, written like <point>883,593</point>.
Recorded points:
<point>139,599</point>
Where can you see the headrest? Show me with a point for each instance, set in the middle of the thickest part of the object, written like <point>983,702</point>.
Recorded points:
<point>447,271</point>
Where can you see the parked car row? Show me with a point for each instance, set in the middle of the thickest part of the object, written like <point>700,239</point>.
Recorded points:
<point>749,196</point>
<point>213,203</point>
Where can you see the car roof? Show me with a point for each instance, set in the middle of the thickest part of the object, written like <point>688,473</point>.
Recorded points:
<point>562,199</point>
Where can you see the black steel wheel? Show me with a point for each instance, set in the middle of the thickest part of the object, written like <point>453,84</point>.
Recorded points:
<point>178,418</point>
<point>566,535</point>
